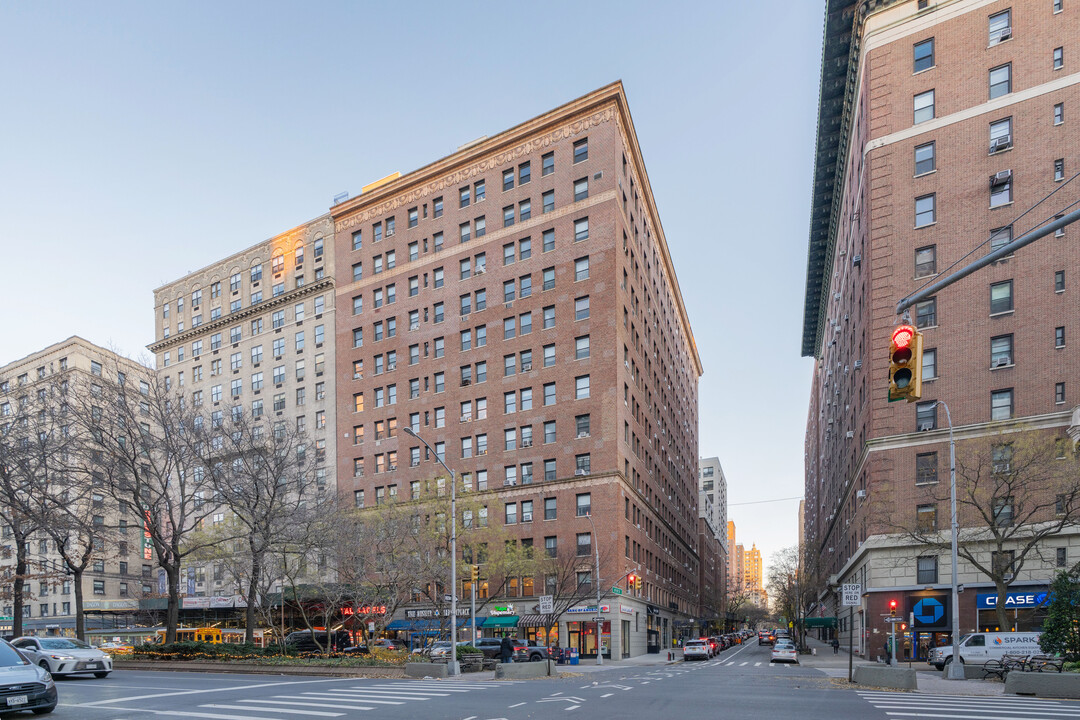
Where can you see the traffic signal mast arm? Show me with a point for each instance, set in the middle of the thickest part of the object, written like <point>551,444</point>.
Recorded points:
<point>989,259</point>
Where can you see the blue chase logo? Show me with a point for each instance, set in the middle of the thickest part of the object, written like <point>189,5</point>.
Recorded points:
<point>929,611</point>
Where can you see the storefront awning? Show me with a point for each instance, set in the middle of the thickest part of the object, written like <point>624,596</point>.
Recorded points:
<point>506,621</point>
<point>819,622</point>
<point>535,621</point>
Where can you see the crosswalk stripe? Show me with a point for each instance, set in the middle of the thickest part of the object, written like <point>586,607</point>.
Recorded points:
<point>1010,708</point>
<point>745,662</point>
<point>362,698</point>
<point>407,688</point>
<point>955,716</point>
<point>731,663</point>
<point>212,716</point>
<point>343,704</point>
<point>318,713</point>
<point>425,694</point>
<point>757,664</point>
<point>869,694</point>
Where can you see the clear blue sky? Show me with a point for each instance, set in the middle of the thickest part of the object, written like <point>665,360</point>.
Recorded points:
<point>142,140</point>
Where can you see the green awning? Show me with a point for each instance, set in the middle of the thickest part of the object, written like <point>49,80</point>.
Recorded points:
<point>505,621</point>
<point>819,622</point>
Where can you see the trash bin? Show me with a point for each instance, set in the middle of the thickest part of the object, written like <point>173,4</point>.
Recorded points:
<point>572,656</point>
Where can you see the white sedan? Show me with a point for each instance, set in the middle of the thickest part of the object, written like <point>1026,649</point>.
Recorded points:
<point>64,656</point>
<point>784,651</point>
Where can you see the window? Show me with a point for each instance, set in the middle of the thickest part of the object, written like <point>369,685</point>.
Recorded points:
<point>581,387</point>
<point>584,544</point>
<point>548,201</point>
<point>1000,135</point>
<point>549,356</point>
<point>581,189</point>
<point>583,464</point>
<point>1059,169</point>
<point>549,431</point>
<point>925,210</point>
<point>584,504</point>
<point>924,55</point>
<point>547,164</point>
<point>1001,404</point>
<point>924,106</point>
<point>1000,237</point>
<point>581,269</point>
<point>1059,393</point>
<point>1001,299</point>
<point>1059,281</point>
<point>1003,511</point>
<point>581,229</point>
<point>929,364</point>
<point>550,509</point>
<point>1061,557</point>
<point>581,308</point>
<point>925,158</point>
<point>508,180</point>
<point>1000,80</point>
<point>1000,27</point>
<point>1059,58</point>
<point>926,416</point>
<point>524,173</point>
<point>581,347</point>
<point>548,238</point>
<point>926,313</point>
<point>926,261</point>
<point>1058,5</point>
<point>1001,351</point>
<point>1059,113</point>
<point>581,150</point>
<point>551,543</point>
<point>1059,337</point>
<point>926,468</point>
<point>927,570</point>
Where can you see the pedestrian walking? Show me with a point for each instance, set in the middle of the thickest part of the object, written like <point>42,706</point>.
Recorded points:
<point>835,646</point>
<point>506,650</point>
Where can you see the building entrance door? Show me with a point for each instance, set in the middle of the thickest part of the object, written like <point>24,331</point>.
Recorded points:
<point>624,638</point>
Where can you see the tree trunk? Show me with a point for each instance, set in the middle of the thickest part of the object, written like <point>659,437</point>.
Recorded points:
<point>80,617</point>
<point>1000,609</point>
<point>18,587</point>
<point>172,612</point>
<point>252,593</point>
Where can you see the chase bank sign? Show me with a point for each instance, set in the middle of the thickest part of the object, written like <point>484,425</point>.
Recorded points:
<point>988,601</point>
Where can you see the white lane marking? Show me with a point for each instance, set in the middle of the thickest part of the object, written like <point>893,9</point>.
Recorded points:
<point>344,704</point>
<point>405,689</point>
<point>956,715</point>
<point>572,707</point>
<point>744,662</point>
<point>1009,708</point>
<point>361,698</point>
<point>210,716</point>
<point>517,705</point>
<point>925,696</point>
<point>607,695</point>
<point>757,664</point>
<point>286,711</point>
<point>730,664</point>
<point>391,693</point>
<point>210,690</point>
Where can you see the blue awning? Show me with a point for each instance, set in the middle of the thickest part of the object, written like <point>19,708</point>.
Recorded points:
<point>423,625</point>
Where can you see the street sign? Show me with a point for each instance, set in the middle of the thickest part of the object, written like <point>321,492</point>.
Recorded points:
<point>895,619</point>
<point>616,590</point>
<point>547,604</point>
<point>446,598</point>
<point>851,594</point>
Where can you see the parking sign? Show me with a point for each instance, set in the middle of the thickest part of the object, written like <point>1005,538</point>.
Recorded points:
<point>851,594</point>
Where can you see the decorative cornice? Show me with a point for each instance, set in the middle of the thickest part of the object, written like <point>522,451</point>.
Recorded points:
<point>232,318</point>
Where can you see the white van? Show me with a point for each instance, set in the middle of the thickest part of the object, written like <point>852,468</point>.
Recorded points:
<point>977,648</point>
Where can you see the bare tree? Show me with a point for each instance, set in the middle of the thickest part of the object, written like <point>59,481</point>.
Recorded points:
<point>787,588</point>
<point>1013,492</point>
<point>135,433</point>
<point>569,577</point>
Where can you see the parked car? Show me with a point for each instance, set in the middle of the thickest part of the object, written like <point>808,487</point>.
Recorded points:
<point>764,637</point>
<point>695,650</point>
<point>65,656</point>
<point>492,648</point>
<point>537,652</point>
<point>440,649</point>
<point>304,640</point>
<point>784,651</point>
<point>979,647</point>
<point>24,685</point>
<point>388,644</point>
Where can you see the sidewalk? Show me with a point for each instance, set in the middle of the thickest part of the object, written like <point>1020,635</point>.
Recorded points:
<point>929,679</point>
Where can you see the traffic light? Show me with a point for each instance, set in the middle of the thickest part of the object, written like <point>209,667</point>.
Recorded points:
<point>475,573</point>
<point>892,608</point>
<point>637,583</point>
<point>630,581</point>
<point>903,626</point>
<point>905,364</point>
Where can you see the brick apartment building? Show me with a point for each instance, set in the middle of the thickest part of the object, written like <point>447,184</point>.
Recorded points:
<point>940,123</point>
<point>712,534</point>
<point>32,393</point>
<point>516,305</point>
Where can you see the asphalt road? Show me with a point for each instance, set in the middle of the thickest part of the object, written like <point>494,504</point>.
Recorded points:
<point>740,683</point>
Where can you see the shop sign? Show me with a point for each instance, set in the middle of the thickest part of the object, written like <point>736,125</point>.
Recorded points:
<point>417,613</point>
<point>930,612</point>
<point>652,610</point>
<point>588,609</point>
<point>988,601</point>
<point>364,610</point>
<point>626,609</point>
<point>502,610</point>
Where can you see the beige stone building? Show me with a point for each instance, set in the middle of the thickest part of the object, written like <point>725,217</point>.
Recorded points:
<point>118,575</point>
<point>253,334</point>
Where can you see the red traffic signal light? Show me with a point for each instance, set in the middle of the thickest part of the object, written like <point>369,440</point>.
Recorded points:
<point>892,608</point>
<point>905,364</point>
<point>630,580</point>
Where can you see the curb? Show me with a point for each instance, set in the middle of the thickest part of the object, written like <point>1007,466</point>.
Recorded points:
<point>253,669</point>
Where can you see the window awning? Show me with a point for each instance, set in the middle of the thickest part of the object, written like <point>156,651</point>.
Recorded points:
<point>506,621</point>
<point>819,622</point>
<point>535,621</point>
<point>421,625</point>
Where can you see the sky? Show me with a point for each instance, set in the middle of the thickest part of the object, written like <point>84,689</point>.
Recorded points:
<point>144,140</point>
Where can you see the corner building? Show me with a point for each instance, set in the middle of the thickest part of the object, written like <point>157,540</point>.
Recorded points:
<point>940,124</point>
<point>516,305</point>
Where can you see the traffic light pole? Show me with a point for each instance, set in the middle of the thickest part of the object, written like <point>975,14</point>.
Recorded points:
<point>989,259</point>
<point>954,670</point>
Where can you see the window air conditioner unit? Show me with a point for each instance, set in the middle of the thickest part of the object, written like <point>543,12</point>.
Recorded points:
<point>389,232</point>
<point>856,260</point>
<point>391,366</point>
<point>849,434</point>
<point>391,468</point>
<point>480,271</point>
<point>924,426</point>
<point>860,494</point>
<point>526,443</point>
<point>482,452</point>
<point>581,472</point>
<point>1000,178</point>
<point>582,435</point>
<point>858,364</point>
<point>1004,34</point>
<point>466,383</point>
<point>1000,143</point>
<point>526,367</point>
<point>1002,361</point>
<point>466,418</point>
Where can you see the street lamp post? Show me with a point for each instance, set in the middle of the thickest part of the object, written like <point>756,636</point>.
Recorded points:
<point>955,669</point>
<point>596,581</point>
<point>452,667</point>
